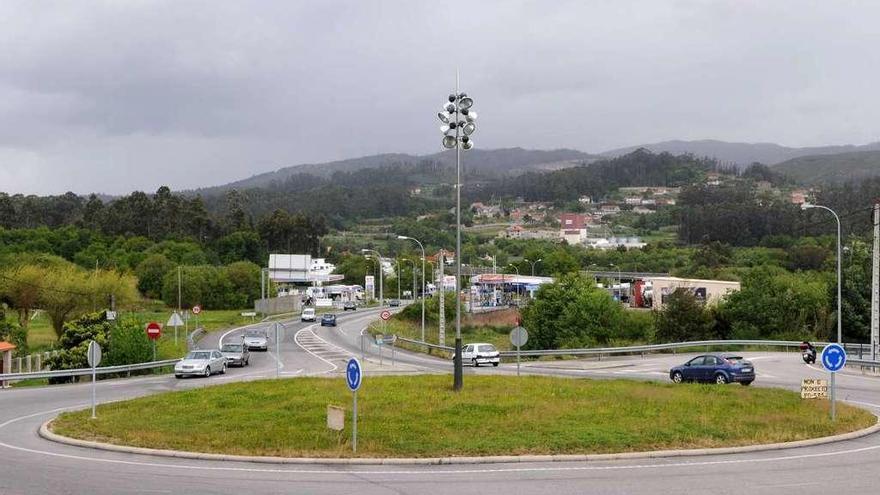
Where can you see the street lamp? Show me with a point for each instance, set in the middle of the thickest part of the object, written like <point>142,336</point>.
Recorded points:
<point>458,117</point>
<point>806,206</point>
<point>404,237</point>
<point>517,274</point>
<point>534,263</point>
<point>379,256</point>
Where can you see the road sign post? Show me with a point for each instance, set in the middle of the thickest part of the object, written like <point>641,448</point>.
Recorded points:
<point>833,359</point>
<point>196,311</point>
<point>353,376</point>
<point>154,331</point>
<point>277,350</point>
<point>94,357</point>
<point>518,337</point>
<point>175,321</point>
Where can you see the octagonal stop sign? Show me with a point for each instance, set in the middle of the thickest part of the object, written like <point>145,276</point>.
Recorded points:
<point>154,330</point>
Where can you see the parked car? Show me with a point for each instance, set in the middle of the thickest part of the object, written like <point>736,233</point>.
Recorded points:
<point>308,314</point>
<point>717,368</point>
<point>349,306</point>
<point>480,353</point>
<point>328,320</point>
<point>256,340</point>
<point>394,303</point>
<point>201,362</point>
<point>236,354</point>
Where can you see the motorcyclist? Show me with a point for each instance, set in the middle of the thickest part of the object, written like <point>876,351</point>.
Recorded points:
<point>808,352</point>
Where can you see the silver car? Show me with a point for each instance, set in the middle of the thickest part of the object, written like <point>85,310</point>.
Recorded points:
<point>256,340</point>
<point>236,354</point>
<point>201,362</point>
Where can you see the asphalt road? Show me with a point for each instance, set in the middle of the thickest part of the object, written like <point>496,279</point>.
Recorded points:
<point>32,465</point>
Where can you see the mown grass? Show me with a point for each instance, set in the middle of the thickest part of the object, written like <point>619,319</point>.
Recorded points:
<point>421,416</point>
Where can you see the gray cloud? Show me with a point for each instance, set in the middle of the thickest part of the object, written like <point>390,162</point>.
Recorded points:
<point>115,96</point>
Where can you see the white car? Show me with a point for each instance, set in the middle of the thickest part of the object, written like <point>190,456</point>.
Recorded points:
<point>200,362</point>
<point>480,353</point>
<point>308,314</point>
<point>256,340</point>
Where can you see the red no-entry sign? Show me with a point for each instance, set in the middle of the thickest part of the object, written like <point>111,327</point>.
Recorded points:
<point>385,315</point>
<point>154,330</point>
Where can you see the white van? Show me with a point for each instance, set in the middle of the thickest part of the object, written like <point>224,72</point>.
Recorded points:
<point>308,314</point>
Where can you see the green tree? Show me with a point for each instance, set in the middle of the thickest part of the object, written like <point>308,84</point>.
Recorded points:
<point>773,303</point>
<point>150,272</point>
<point>682,318</point>
<point>570,313</point>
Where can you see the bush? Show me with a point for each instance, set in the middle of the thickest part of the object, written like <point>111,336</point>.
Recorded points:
<point>129,344</point>
<point>14,334</point>
<point>570,313</point>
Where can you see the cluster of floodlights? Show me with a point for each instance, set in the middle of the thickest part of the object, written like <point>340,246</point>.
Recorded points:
<point>458,121</point>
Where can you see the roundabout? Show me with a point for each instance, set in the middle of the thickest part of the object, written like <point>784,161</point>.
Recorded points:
<point>35,465</point>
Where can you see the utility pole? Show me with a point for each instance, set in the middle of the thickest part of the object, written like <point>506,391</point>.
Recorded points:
<point>441,339</point>
<point>875,287</point>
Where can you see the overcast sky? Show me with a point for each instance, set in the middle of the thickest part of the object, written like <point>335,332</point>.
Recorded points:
<point>124,95</point>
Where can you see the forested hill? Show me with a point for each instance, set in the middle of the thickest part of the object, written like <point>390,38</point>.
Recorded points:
<point>499,162</point>
<point>742,154</point>
<point>843,167</point>
<point>638,168</point>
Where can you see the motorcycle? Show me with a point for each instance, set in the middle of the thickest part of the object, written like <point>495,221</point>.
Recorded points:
<point>809,356</point>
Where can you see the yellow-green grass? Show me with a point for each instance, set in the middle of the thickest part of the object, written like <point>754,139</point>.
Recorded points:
<point>420,416</point>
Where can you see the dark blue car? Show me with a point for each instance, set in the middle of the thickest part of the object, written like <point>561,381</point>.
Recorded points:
<point>715,368</point>
<point>328,320</point>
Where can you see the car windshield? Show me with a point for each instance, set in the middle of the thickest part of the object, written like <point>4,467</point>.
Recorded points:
<point>231,348</point>
<point>254,333</point>
<point>199,355</point>
<point>485,348</point>
<point>329,317</point>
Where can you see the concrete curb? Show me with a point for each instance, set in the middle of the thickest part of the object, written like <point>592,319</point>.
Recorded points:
<point>46,433</point>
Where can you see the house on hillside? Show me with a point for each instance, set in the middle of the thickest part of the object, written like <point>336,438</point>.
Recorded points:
<point>573,227</point>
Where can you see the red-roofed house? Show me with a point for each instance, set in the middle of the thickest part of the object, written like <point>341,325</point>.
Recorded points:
<point>573,227</point>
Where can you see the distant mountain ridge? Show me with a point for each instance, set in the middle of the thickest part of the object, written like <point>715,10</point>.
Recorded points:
<point>742,154</point>
<point>505,161</point>
<point>841,167</point>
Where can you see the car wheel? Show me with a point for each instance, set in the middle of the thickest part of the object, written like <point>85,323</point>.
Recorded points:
<point>677,377</point>
<point>495,364</point>
<point>207,371</point>
<point>223,371</point>
<point>720,379</point>
<point>247,362</point>
<point>746,384</point>
<point>476,364</point>
<point>178,376</point>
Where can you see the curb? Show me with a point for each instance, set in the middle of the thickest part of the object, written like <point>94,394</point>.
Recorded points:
<point>46,433</point>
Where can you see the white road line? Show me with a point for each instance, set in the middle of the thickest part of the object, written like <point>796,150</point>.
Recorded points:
<point>296,338</point>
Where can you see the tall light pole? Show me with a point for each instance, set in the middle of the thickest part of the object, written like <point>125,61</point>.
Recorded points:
<point>534,263</point>
<point>806,206</point>
<point>517,274</point>
<point>379,259</point>
<point>458,120</point>
<point>403,237</point>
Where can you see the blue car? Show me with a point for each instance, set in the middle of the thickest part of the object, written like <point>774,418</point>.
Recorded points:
<point>715,368</point>
<point>328,320</point>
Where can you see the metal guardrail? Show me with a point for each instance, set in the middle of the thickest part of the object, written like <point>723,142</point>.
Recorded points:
<point>425,344</point>
<point>124,368</point>
<point>854,350</point>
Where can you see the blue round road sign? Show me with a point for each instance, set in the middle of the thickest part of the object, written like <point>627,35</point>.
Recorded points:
<point>353,374</point>
<point>833,357</point>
